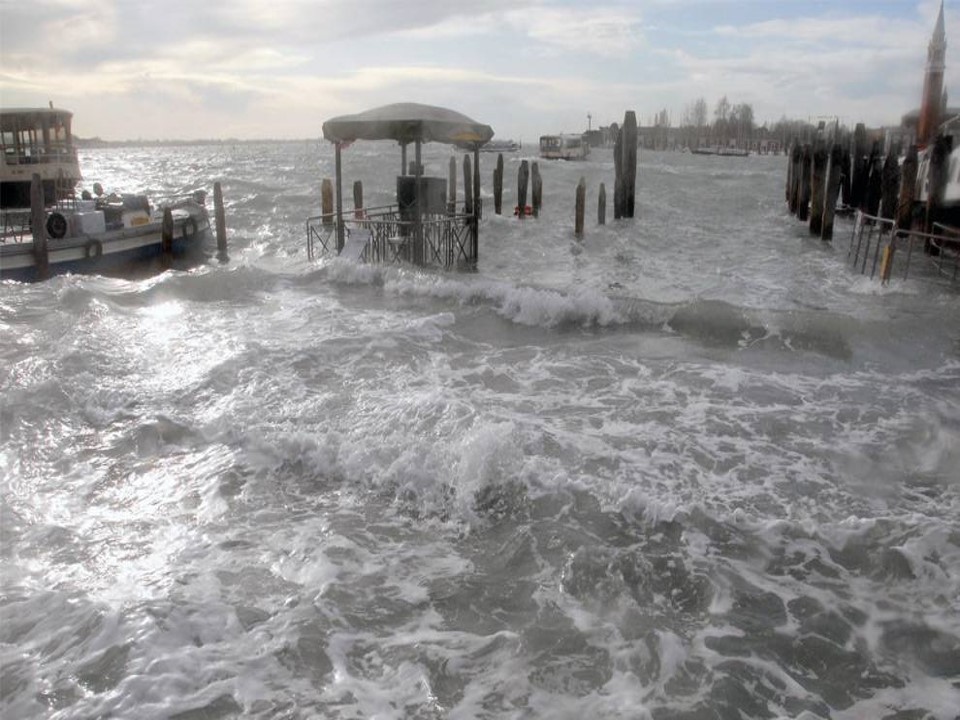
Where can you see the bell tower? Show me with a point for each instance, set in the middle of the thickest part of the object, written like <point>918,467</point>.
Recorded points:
<point>930,105</point>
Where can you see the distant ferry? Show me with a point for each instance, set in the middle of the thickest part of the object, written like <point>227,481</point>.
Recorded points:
<point>36,141</point>
<point>563,147</point>
<point>500,146</point>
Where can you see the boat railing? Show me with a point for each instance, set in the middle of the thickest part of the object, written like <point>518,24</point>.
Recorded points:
<point>888,250</point>
<point>16,225</point>
<point>393,236</point>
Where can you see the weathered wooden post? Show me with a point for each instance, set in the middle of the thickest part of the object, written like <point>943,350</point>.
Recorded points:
<point>166,233</point>
<point>326,200</point>
<point>221,219</point>
<point>338,165</point>
<point>602,205</point>
<point>789,186</point>
<point>537,190</point>
<point>523,174</point>
<point>580,207</point>
<point>618,175</point>
<point>452,186</point>
<point>796,165</point>
<point>803,195</point>
<point>890,185</point>
<point>477,206</point>
<point>467,186</point>
<point>38,227</point>
<point>937,179</point>
<point>833,190</point>
<point>908,189</point>
<point>629,163</point>
<point>358,199</point>
<point>871,205</point>
<point>845,197</point>
<point>861,168</point>
<point>818,180</point>
<point>498,185</point>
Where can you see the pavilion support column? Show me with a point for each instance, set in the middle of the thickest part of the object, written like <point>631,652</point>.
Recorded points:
<point>403,159</point>
<point>339,200</point>
<point>418,230</point>
<point>476,203</point>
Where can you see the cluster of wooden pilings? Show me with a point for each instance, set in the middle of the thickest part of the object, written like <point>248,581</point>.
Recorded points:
<point>821,180</point>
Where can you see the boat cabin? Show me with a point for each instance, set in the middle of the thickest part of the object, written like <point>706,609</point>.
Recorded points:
<point>36,140</point>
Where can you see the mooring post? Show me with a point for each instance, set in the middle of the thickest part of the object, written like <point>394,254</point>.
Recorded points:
<point>166,233</point>
<point>467,186</point>
<point>339,180</point>
<point>629,163</point>
<point>818,180</point>
<point>326,201</point>
<point>789,186</point>
<point>618,175</point>
<point>803,194</point>
<point>832,192</point>
<point>861,168</point>
<point>796,166</point>
<point>537,190</point>
<point>221,219</point>
<point>602,205</point>
<point>358,199</point>
<point>871,204</point>
<point>38,227</point>
<point>477,205</point>
<point>498,185</point>
<point>890,185</point>
<point>845,178</point>
<point>908,189</point>
<point>580,207</point>
<point>523,175</point>
<point>937,178</point>
<point>452,186</point>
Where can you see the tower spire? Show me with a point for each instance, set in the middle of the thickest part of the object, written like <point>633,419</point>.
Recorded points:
<point>930,104</point>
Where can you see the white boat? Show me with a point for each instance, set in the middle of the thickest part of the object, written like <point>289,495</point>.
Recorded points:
<point>563,147</point>
<point>110,235</point>
<point>36,141</point>
<point>500,146</point>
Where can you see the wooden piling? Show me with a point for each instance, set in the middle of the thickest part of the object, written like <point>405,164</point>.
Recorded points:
<point>166,233</point>
<point>832,192</point>
<point>452,186</point>
<point>803,193</point>
<point>467,186</point>
<point>908,189</point>
<point>537,189</point>
<point>38,228</point>
<point>845,179</point>
<point>796,163</point>
<point>860,167</point>
<point>871,203</point>
<point>789,185</point>
<point>890,185</point>
<point>937,179</point>
<point>326,200</point>
<point>818,179</point>
<point>523,175</point>
<point>221,220</point>
<point>602,205</point>
<point>498,185</point>
<point>358,199</point>
<point>580,208</point>
<point>629,162</point>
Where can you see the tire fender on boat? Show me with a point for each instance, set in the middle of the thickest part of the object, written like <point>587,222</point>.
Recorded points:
<point>189,228</point>
<point>93,248</point>
<point>56,225</point>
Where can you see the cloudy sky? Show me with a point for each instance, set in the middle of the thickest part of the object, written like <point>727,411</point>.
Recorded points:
<point>278,68</point>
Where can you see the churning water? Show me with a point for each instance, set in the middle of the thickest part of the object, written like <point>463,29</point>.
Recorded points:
<point>691,467</point>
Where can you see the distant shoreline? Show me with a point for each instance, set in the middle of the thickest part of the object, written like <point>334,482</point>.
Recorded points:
<point>92,143</point>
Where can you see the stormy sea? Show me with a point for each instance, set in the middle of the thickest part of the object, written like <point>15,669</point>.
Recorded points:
<point>693,465</point>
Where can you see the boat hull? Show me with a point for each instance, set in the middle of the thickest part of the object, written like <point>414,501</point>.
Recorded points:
<point>116,252</point>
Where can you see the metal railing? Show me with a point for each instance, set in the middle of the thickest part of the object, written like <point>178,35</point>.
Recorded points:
<point>393,236</point>
<point>889,250</point>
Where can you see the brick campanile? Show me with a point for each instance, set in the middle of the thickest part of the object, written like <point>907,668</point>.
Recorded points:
<point>930,105</point>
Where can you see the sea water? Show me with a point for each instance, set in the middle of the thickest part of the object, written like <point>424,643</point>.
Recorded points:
<point>690,466</point>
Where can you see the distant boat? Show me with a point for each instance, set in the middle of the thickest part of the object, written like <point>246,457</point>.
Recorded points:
<point>714,150</point>
<point>563,147</point>
<point>36,141</point>
<point>500,146</point>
